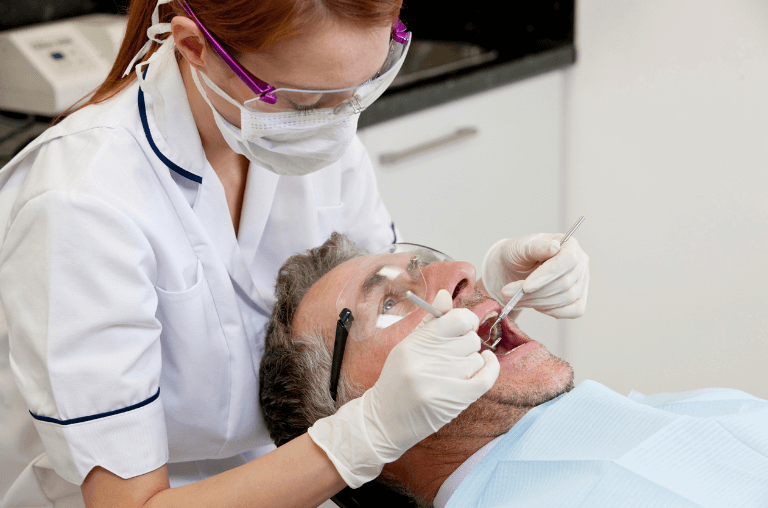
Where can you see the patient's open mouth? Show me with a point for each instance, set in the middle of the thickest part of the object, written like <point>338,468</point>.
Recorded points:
<point>490,334</point>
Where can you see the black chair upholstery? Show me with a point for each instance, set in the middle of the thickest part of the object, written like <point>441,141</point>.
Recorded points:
<point>372,495</point>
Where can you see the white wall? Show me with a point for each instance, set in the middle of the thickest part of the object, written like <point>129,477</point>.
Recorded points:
<point>666,129</point>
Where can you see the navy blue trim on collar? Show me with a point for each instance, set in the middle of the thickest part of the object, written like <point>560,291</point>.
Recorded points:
<point>394,233</point>
<point>166,161</point>
<point>100,415</point>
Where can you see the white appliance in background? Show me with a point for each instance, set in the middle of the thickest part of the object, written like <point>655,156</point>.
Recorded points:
<point>46,68</point>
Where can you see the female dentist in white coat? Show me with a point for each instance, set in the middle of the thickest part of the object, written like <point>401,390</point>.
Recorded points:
<point>141,239</point>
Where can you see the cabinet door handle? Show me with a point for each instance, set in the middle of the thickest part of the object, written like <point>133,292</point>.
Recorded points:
<point>391,158</point>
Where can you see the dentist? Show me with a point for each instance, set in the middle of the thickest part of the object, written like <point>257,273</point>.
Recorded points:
<point>141,238</point>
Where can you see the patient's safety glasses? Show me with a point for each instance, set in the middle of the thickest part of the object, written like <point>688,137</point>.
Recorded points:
<point>374,296</point>
<point>338,103</point>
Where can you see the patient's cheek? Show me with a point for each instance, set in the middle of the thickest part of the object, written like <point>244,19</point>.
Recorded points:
<point>366,360</point>
<point>367,357</point>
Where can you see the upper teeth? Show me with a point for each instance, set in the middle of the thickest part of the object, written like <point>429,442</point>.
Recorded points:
<point>505,354</point>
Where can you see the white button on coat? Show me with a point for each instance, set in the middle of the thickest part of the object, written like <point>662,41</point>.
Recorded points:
<point>135,316</point>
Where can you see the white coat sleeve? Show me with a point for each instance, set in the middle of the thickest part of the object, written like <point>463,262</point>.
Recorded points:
<point>76,283</point>
<point>366,219</point>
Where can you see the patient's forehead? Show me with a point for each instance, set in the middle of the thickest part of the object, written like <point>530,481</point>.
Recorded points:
<point>318,307</point>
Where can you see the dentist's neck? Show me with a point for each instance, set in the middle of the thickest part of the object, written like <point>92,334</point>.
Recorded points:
<point>217,151</point>
<point>229,166</point>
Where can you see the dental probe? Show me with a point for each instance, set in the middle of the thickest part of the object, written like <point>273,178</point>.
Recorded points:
<point>520,293</point>
<point>424,305</point>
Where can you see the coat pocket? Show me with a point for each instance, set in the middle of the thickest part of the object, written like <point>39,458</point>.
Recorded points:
<point>164,296</point>
<point>195,379</point>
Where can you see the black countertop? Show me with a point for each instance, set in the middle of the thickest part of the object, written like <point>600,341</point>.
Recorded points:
<point>510,41</point>
<point>514,40</point>
<point>439,90</point>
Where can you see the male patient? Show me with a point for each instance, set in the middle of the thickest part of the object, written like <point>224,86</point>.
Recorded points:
<point>533,439</point>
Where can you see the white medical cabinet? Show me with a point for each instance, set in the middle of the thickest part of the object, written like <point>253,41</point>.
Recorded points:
<point>46,68</point>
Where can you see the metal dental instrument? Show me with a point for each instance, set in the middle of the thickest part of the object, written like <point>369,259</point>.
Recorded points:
<point>424,305</point>
<point>520,293</point>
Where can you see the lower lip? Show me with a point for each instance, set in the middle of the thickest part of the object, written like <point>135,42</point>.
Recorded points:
<point>519,351</point>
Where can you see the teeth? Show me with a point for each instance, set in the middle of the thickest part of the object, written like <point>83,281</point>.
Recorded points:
<point>505,354</point>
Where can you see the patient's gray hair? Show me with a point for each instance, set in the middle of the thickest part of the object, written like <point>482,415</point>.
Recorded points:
<point>295,371</point>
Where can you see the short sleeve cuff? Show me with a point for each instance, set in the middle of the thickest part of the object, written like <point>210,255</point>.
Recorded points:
<point>127,443</point>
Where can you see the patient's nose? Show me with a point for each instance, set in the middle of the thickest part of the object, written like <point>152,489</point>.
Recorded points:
<point>456,277</point>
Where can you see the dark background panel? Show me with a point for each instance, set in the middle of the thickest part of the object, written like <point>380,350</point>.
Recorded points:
<point>16,13</point>
<point>514,29</point>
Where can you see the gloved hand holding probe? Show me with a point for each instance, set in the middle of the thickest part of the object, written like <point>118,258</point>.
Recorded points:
<point>555,277</point>
<point>428,379</point>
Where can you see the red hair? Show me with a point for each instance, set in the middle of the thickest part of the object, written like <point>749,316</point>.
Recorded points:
<point>245,26</point>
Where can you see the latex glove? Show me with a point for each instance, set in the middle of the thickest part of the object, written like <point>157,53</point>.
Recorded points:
<point>427,380</point>
<point>555,279</point>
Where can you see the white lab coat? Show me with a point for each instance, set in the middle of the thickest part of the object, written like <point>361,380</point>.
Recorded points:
<point>135,316</point>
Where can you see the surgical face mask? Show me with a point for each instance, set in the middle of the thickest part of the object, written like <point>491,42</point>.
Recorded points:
<point>287,143</point>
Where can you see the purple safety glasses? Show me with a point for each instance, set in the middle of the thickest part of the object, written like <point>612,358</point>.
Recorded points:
<point>342,101</point>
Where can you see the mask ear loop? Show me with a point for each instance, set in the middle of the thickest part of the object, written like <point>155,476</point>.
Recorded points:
<point>221,93</point>
<point>158,103</point>
<point>156,29</point>
<point>153,31</point>
<point>217,117</point>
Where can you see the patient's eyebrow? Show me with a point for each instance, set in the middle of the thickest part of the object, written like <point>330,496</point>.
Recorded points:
<point>373,281</point>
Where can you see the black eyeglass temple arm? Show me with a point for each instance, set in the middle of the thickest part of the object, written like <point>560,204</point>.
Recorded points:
<point>339,344</point>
